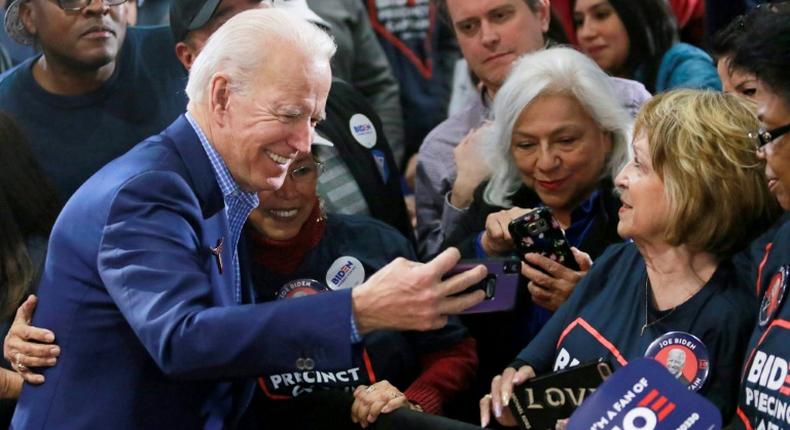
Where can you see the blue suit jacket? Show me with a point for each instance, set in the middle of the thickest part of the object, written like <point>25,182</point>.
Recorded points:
<point>150,332</point>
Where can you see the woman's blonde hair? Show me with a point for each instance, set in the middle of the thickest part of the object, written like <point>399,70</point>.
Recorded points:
<point>699,146</point>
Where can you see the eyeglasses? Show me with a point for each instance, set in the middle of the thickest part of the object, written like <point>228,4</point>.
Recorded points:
<point>308,171</point>
<point>764,137</point>
<point>79,5</point>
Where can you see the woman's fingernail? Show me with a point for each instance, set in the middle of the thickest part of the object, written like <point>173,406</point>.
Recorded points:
<point>505,399</point>
<point>498,411</point>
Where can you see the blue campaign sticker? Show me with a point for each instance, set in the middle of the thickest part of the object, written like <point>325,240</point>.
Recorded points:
<point>684,356</point>
<point>774,294</point>
<point>300,287</point>
<point>381,164</point>
<point>644,396</point>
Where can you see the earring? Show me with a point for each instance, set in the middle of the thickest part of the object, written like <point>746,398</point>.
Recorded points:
<point>321,210</point>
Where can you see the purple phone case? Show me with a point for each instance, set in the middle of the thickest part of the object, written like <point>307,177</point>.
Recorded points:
<point>507,273</point>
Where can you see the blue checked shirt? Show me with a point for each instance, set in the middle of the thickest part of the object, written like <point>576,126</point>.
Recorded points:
<point>238,205</point>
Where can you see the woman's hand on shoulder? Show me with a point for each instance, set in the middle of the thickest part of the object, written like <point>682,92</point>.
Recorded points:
<point>501,392</point>
<point>552,289</point>
<point>496,239</point>
<point>380,398</point>
<point>26,346</point>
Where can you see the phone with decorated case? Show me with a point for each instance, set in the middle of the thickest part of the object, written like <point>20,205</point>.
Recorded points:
<point>539,232</point>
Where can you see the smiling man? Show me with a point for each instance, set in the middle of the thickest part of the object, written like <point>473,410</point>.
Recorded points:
<point>492,34</point>
<point>142,281</point>
<point>360,179</point>
<point>95,91</point>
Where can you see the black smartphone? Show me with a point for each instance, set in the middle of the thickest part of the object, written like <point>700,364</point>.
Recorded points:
<point>500,285</point>
<point>539,402</point>
<point>539,232</point>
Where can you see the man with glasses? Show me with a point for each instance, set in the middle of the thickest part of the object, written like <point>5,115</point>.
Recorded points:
<point>96,89</point>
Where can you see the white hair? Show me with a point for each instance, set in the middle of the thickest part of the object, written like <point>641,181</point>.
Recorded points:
<point>551,71</point>
<point>239,48</point>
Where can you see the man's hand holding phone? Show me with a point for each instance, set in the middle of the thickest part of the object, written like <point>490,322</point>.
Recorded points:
<point>406,295</point>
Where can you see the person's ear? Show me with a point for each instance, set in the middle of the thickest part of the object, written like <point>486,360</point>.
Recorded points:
<point>185,54</point>
<point>544,14</point>
<point>27,15</point>
<point>219,97</point>
<point>131,12</point>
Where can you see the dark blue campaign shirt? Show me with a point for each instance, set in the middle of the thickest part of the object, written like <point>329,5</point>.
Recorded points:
<point>604,316</point>
<point>390,355</point>
<point>764,397</point>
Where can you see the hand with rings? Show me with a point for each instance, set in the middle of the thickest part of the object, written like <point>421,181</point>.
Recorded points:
<point>26,346</point>
<point>373,400</point>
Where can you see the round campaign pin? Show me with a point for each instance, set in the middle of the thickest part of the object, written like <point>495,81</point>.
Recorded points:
<point>773,296</point>
<point>363,130</point>
<point>345,272</point>
<point>300,287</point>
<point>684,356</point>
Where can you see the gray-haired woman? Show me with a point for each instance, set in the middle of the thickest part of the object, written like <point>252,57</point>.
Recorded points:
<point>558,139</point>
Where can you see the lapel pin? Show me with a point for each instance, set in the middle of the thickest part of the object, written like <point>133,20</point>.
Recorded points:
<point>217,251</point>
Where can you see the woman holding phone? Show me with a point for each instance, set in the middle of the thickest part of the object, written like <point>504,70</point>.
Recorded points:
<point>558,138</point>
<point>674,280</point>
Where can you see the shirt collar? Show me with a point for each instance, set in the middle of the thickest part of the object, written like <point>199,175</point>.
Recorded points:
<point>229,187</point>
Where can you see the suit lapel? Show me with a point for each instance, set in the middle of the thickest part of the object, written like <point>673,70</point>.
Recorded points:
<point>197,165</point>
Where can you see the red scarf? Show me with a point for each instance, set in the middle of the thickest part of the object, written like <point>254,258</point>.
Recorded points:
<point>284,256</point>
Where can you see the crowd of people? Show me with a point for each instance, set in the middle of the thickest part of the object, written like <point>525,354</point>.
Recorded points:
<point>250,217</point>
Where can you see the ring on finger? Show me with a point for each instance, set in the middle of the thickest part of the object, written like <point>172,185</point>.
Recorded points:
<point>370,388</point>
<point>18,362</point>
